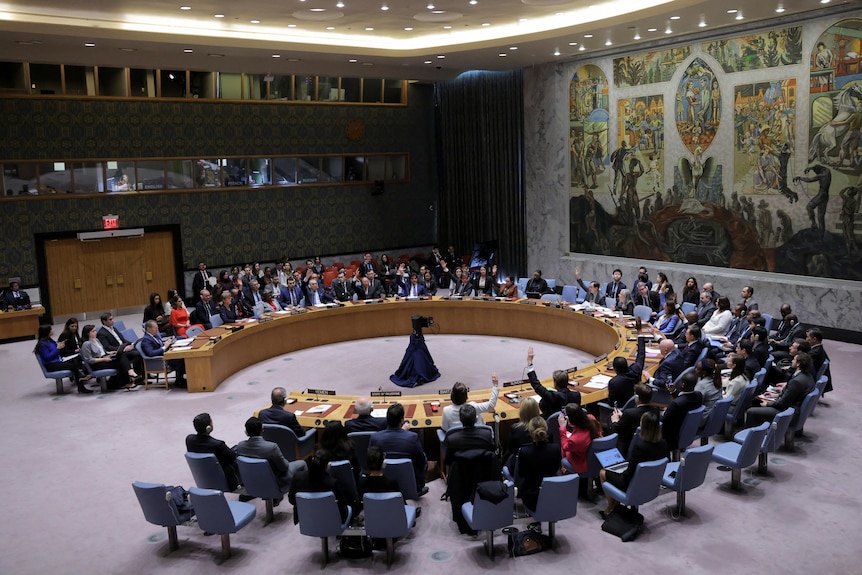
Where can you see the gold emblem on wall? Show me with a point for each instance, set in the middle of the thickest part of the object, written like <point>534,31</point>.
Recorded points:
<point>355,130</point>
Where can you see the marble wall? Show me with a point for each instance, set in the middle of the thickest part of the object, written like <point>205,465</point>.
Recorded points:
<point>818,301</point>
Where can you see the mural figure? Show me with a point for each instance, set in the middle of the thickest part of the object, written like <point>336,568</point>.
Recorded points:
<point>783,161</point>
<point>817,204</point>
<point>826,139</point>
<point>700,106</point>
<point>648,67</point>
<point>757,51</point>
<point>849,207</point>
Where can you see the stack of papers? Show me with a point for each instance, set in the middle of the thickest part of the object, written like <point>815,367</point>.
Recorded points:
<point>182,343</point>
<point>598,382</point>
<point>317,409</point>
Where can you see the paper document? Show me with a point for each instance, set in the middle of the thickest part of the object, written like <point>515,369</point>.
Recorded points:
<point>317,409</point>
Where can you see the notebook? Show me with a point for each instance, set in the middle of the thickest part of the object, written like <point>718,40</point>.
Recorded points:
<point>612,460</point>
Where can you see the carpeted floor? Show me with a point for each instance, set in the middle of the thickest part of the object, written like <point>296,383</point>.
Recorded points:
<point>68,505</point>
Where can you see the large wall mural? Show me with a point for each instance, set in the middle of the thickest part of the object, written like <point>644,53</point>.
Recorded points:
<point>756,51</point>
<point>787,211</point>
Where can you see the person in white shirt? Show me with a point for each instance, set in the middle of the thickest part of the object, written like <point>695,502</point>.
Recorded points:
<point>719,322</point>
<point>451,413</point>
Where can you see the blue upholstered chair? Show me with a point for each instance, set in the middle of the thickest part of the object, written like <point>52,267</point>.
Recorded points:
<point>319,517</point>
<point>558,500</point>
<point>715,421</point>
<point>100,375</point>
<point>736,414</point>
<point>522,287</point>
<point>342,472</point>
<point>216,321</point>
<point>129,334</point>
<point>207,471</point>
<point>570,294</point>
<point>58,376</point>
<point>194,331</point>
<point>687,473</point>
<point>361,440</point>
<point>120,325</point>
<point>768,324</point>
<point>401,470</point>
<point>153,366</point>
<point>155,501</point>
<point>687,431</point>
<point>218,515</point>
<point>482,515</point>
<point>774,437</point>
<point>687,307</point>
<point>387,517</point>
<point>643,311</point>
<point>292,447</point>
<point>606,410</point>
<point>739,455</point>
<point>644,487</point>
<point>820,382</point>
<point>593,465</point>
<point>258,480</point>
<point>805,410</point>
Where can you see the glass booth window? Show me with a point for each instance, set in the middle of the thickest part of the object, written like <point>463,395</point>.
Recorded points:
<point>143,83</point>
<point>351,90</point>
<point>121,176</point>
<point>284,172</point>
<point>112,81</point>
<point>55,178</point>
<point>45,79</point>
<point>89,177</point>
<point>80,80</point>
<point>304,89</point>
<point>259,172</point>
<point>233,172</point>
<point>372,90</point>
<point>333,167</point>
<point>173,83</point>
<point>327,89</point>
<point>280,87</point>
<point>180,174</point>
<point>354,168</point>
<point>208,174</point>
<point>151,175</point>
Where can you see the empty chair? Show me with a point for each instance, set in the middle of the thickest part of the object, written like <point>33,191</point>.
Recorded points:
<point>522,287</point>
<point>153,366</point>
<point>319,517</point>
<point>687,473</point>
<point>218,515</point>
<point>292,447</point>
<point>482,515</point>
<point>258,480</point>
<point>216,321</point>
<point>401,470</point>
<point>207,471</point>
<point>687,431</point>
<point>805,410</point>
<point>194,331</point>
<point>387,517</point>
<point>360,446</point>
<point>558,500</point>
<point>550,297</point>
<point>739,455</point>
<point>570,294</point>
<point>100,375</point>
<point>58,376</point>
<point>552,283</point>
<point>687,307</point>
<point>715,421</point>
<point>644,487</point>
<point>643,311</point>
<point>773,438</point>
<point>342,472</point>
<point>593,466</point>
<point>159,509</point>
<point>736,414</point>
<point>129,334</point>
<point>554,428</point>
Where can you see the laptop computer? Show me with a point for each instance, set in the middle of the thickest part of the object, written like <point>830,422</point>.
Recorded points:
<point>612,460</point>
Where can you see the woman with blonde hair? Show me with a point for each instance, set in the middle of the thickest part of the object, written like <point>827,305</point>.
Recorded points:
<point>536,461</point>
<point>519,433</point>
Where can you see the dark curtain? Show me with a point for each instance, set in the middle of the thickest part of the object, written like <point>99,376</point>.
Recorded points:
<point>480,150</point>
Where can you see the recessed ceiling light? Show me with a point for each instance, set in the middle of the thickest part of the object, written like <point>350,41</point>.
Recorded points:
<point>291,25</point>
<point>216,55</point>
<point>608,43</point>
<point>513,47</point>
<point>732,11</point>
<point>427,61</point>
<point>780,9</point>
<point>408,29</point>
<point>369,29</point>
<point>486,23</point>
<point>255,21</point>
<point>294,60</point>
<point>523,20</point>
<point>702,24</point>
<point>447,27</point>
<point>90,45</point>
<point>502,54</point>
<point>384,7</point>
<point>352,60</point>
<point>218,15</point>
<point>637,36</point>
<point>668,30</point>
<point>128,50</point>
<point>317,10</point>
<point>440,56</point>
<point>330,27</point>
<point>276,55</point>
<point>825,1</point>
<point>556,52</point>
<point>438,11</point>
<point>573,43</point>
<point>582,48</point>
<point>674,17</point>
<point>367,63</point>
<point>430,6</point>
<point>339,4</point>
<point>474,2</point>
<point>185,7</point>
<point>588,35</point>
<point>652,29</point>
<point>739,15</point>
<point>188,50</point>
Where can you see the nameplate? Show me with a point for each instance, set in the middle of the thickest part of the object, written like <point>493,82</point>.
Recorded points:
<point>516,383</point>
<point>446,391</point>
<point>528,301</point>
<point>298,310</point>
<point>264,319</point>
<point>571,370</point>
<point>617,346</point>
<point>609,322</point>
<point>234,327</point>
<point>600,358</point>
<point>385,394</point>
<point>320,391</point>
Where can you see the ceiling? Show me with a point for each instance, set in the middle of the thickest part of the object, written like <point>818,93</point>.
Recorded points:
<point>411,39</point>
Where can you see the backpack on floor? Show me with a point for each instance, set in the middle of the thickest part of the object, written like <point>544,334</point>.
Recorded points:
<point>623,522</point>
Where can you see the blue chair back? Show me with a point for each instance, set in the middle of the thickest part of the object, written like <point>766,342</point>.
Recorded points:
<point>129,334</point>
<point>119,325</point>
<point>715,421</point>
<point>487,516</point>
<point>554,428</point>
<point>292,447</point>
<point>768,324</point>
<point>820,385</point>
<point>570,294</point>
<point>319,515</point>
<point>598,444</point>
<point>401,470</point>
<point>805,410</point>
<point>822,371</point>
<point>688,430</point>
<point>386,515</point>
<point>360,446</point>
<point>643,311</point>
<point>687,307</point>
<point>522,287</point>
<point>646,483</point>
<point>155,501</point>
<point>342,472</point>
<point>777,430</point>
<point>550,297</point>
<point>216,320</point>
<point>742,404</point>
<point>258,479</point>
<point>216,515</point>
<point>552,283</point>
<point>558,498</point>
<point>758,378</point>
<point>207,471</point>
<point>194,331</point>
<point>751,446</point>
<point>691,469</point>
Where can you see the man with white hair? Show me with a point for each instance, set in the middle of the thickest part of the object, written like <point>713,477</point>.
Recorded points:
<point>364,421</point>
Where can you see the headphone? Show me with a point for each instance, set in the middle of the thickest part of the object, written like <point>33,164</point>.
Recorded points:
<point>209,429</point>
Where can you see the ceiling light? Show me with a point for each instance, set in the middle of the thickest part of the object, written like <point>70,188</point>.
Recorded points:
<point>185,7</point>
<point>384,7</point>
<point>674,17</point>
<point>438,11</point>
<point>368,63</point>
<point>255,21</point>
<point>582,48</point>
<point>171,76</point>
<point>668,30</point>
<point>440,56</point>
<point>294,60</point>
<point>128,50</point>
<point>317,10</point>
<point>276,55</point>
<point>556,51</point>
<point>216,55</point>
<point>330,27</point>
<point>339,4</point>
<point>427,61</point>
<point>702,24</point>
<point>218,15</point>
<point>486,23</point>
<point>573,43</point>
<point>369,29</point>
<point>291,25</point>
<point>408,29</point>
<point>90,45</point>
<point>732,11</point>
<point>188,50</point>
<point>502,54</point>
<point>474,2</point>
<point>780,9</point>
<point>739,15</point>
<point>825,1</point>
<point>608,43</point>
<point>588,35</point>
<point>352,60</point>
<point>513,47</point>
<point>447,27</point>
<point>522,20</point>
<point>430,6</point>
<point>637,35</point>
<point>652,29</point>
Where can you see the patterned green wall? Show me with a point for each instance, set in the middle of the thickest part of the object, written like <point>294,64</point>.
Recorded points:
<point>226,226</point>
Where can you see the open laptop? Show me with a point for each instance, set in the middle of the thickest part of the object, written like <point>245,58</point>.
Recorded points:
<point>612,460</point>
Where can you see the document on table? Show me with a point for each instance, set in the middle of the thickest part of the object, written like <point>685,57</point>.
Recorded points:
<point>317,409</point>
<point>598,382</point>
<point>182,343</point>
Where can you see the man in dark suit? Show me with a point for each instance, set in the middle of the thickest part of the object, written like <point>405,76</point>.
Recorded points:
<point>537,284</point>
<point>341,288</point>
<point>153,346</point>
<point>397,441</point>
<point>290,295</point>
<point>671,365</point>
<point>594,295</point>
<point>413,288</point>
<point>256,446</point>
<point>205,309</point>
<point>693,346</point>
<point>551,401</point>
<point>760,348</point>
<point>625,422</point>
<point>203,442</point>
<point>316,295</point>
<point>704,309</point>
<point>747,295</point>
<point>674,415</point>
<point>621,386</point>
<point>367,265</point>
<point>818,355</point>
<point>790,330</point>
<point>278,415</point>
<point>364,421</point>
<point>744,348</point>
<point>16,298</point>
<point>792,394</point>
<point>780,331</point>
<point>648,298</point>
<point>113,340</point>
<point>468,436</point>
<point>200,279</point>
<point>614,286</point>
<point>252,295</point>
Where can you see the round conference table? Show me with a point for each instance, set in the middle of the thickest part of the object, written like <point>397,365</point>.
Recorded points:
<point>218,353</point>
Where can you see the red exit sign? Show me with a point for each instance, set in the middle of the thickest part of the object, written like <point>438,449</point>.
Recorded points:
<point>111,222</point>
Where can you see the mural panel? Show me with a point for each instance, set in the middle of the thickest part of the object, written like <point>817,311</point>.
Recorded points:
<point>757,51</point>
<point>697,109</point>
<point>637,164</point>
<point>648,67</point>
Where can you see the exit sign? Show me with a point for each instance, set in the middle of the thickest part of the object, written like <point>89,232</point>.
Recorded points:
<point>111,222</point>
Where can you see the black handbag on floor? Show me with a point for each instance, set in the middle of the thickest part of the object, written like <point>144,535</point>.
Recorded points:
<point>623,522</point>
